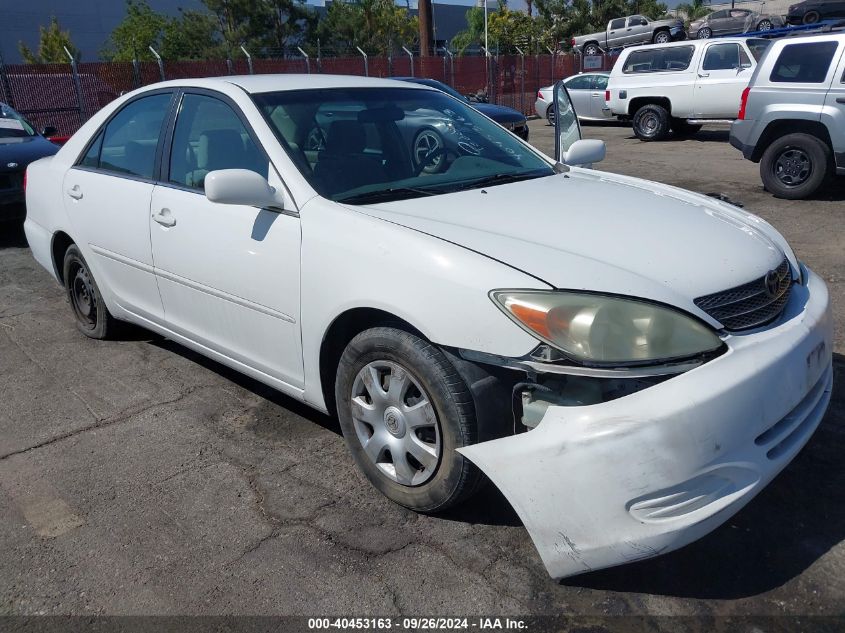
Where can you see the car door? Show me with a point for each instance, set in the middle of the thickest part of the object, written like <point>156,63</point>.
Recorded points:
<point>637,30</point>
<point>228,274</point>
<point>737,21</point>
<point>616,33</point>
<point>724,71</point>
<point>718,22</point>
<point>579,88</point>
<point>107,197</point>
<point>597,101</point>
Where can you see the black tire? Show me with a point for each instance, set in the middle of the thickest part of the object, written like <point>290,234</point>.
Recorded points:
<point>661,37</point>
<point>550,115</point>
<point>796,166</point>
<point>682,128</point>
<point>811,17</point>
<point>591,49</point>
<point>651,123</point>
<point>90,312</point>
<point>454,478</point>
<point>429,138</point>
<point>765,25</point>
<point>704,33</point>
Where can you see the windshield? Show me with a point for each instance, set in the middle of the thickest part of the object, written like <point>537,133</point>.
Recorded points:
<point>361,145</point>
<point>13,124</point>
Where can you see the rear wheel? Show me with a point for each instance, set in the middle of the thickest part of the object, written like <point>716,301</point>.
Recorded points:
<point>704,33</point>
<point>651,123</point>
<point>404,411</point>
<point>811,17</point>
<point>92,316</point>
<point>796,166</point>
<point>662,37</point>
<point>765,25</point>
<point>592,49</point>
<point>550,115</point>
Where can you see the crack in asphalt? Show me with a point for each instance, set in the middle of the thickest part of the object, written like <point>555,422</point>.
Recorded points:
<point>121,416</point>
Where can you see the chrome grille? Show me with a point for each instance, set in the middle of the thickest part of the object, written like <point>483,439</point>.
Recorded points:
<point>751,304</point>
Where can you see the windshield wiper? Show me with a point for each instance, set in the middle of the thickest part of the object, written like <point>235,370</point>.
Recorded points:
<point>385,195</point>
<point>500,179</point>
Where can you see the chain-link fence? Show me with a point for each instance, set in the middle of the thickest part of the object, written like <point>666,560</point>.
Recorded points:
<point>66,95</point>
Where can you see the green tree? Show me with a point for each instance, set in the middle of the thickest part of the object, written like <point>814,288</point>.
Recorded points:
<point>240,22</point>
<point>141,28</point>
<point>694,10</point>
<point>508,29</point>
<point>52,41</point>
<point>193,35</point>
<point>289,22</point>
<point>379,27</point>
<point>473,34</point>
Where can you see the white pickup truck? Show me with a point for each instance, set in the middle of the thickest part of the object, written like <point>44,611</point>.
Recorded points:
<point>680,86</point>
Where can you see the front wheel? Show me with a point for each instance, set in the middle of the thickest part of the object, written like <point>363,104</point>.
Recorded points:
<point>704,33</point>
<point>795,166</point>
<point>651,123</point>
<point>662,37</point>
<point>765,25</point>
<point>811,17</point>
<point>404,411</point>
<point>89,309</point>
<point>429,151</point>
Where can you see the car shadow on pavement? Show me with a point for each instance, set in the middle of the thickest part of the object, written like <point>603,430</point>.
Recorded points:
<point>703,136</point>
<point>12,235</point>
<point>792,523</point>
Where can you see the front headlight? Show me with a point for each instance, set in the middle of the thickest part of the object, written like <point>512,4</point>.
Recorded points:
<point>600,329</point>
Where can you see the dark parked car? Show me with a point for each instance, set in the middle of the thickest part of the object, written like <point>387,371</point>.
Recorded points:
<point>812,11</point>
<point>20,144</point>
<point>508,118</point>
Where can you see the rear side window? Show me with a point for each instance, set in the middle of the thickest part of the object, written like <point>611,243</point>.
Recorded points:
<point>581,82</point>
<point>658,60</point>
<point>617,24</point>
<point>128,143</point>
<point>805,63</point>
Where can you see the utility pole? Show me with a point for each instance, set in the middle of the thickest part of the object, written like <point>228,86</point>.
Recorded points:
<point>426,31</point>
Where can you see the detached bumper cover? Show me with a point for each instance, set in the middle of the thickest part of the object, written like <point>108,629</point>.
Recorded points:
<point>607,484</point>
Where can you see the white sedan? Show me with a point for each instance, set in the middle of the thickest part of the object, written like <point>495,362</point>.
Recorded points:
<point>630,365</point>
<point>587,91</point>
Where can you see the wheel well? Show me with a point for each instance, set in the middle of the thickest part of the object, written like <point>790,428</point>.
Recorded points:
<point>342,330</point>
<point>61,242</point>
<point>659,30</point>
<point>639,102</point>
<point>779,128</point>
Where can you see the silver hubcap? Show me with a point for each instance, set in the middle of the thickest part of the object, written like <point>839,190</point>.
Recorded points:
<point>765,26</point>
<point>395,423</point>
<point>793,167</point>
<point>704,34</point>
<point>426,144</point>
<point>662,38</point>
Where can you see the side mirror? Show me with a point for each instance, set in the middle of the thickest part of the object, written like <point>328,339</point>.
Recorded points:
<point>567,128</point>
<point>242,186</point>
<point>49,130</point>
<point>585,152</point>
<point>643,22</point>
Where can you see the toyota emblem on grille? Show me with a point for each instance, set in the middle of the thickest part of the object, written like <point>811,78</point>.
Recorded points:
<point>772,282</point>
<point>11,165</point>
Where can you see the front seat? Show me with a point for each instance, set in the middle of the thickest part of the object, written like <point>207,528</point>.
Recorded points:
<point>343,165</point>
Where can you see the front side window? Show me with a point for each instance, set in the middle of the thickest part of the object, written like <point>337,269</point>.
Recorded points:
<point>128,143</point>
<point>209,136</point>
<point>803,63</point>
<point>718,15</point>
<point>725,57</point>
<point>658,60</point>
<point>362,145</point>
<point>637,20</point>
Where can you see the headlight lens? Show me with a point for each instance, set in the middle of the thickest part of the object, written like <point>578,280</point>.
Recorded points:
<point>600,329</point>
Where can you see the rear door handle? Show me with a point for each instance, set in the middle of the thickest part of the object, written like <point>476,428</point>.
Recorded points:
<point>75,192</point>
<point>165,218</point>
<point>703,74</point>
<point>840,100</point>
<point>597,94</point>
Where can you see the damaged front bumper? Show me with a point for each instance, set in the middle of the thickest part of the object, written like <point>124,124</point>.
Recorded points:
<point>610,483</point>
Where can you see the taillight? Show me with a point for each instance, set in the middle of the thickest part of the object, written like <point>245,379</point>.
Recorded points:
<point>607,95</point>
<point>24,178</point>
<point>572,42</point>
<point>540,95</point>
<point>743,102</point>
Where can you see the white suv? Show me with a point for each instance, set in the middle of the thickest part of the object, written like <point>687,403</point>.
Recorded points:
<point>681,86</point>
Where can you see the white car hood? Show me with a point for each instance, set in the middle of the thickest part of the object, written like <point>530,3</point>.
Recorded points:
<point>603,232</point>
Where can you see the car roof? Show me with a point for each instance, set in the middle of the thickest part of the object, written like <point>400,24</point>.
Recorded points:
<point>720,40</point>
<point>279,82</point>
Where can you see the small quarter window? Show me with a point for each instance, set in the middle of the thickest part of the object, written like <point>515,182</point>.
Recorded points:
<point>92,156</point>
<point>805,63</point>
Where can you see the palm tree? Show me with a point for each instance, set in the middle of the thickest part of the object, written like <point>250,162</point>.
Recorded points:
<point>694,9</point>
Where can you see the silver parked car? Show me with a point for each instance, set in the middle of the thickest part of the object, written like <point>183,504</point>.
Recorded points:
<point>732,21</point>
<point>792,115</point>
<point>587,93</point>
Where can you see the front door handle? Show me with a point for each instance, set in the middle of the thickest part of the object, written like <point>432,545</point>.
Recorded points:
<point>165,218</point>
<point>75,192</point>
<point>840,100</point>
<point>703,74</point>
<point>597,94</point>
